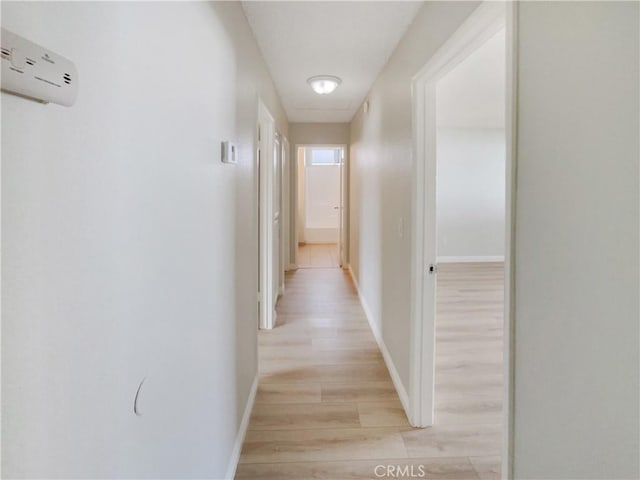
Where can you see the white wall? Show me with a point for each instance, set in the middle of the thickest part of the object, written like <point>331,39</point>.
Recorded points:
<point>473,94</point>
<point>470,193</point>
<point>129,250</point>
<point>576,294</point>
<point>319,134</point>
<point>381,180</point>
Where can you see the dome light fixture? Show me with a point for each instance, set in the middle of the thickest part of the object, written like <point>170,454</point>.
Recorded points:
<point>324,84</point>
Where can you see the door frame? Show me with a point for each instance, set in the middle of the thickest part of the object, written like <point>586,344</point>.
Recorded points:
<point>285,252</point>
<point>344,200</point>
<point>481,25</point>
<point>277,218</point>
<point>266,137</point>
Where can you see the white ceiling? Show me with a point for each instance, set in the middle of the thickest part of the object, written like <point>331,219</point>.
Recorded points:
<point>473,94</point>
<point>352,40</point>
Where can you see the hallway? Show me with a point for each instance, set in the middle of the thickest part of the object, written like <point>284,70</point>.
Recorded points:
<point>140,261</point>
<point>326,406</point>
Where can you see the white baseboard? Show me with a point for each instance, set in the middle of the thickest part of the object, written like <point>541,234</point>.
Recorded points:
<point>242,431</point>
<point>395,377</point>
<point>470,259</point>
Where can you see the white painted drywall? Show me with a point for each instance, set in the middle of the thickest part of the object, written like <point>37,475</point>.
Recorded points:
<point>129,249</point>
<point>319,133</point>
<point>381,180</point>
<point>470,193</point>
<point>472,95</point>
<point>576,292</point>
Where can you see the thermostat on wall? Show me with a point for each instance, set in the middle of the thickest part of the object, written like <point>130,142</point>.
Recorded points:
<point>229,153</point>
<point>32,71</point>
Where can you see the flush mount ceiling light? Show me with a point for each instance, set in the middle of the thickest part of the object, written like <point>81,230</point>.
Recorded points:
<point>324,84</point>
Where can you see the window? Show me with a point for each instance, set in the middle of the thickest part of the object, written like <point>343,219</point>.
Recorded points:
<point>323,156</point>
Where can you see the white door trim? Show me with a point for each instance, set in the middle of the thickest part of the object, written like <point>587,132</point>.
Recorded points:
<point>277,216</point>
<point>295,226</point>
<point>511,132</point>
<point>481,25</point>
<point>266,128</point>
<point>286,208</point>
<point>344,208</point>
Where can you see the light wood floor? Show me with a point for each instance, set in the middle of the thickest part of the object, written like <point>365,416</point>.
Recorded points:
<point>326,407</point>
<point>318,255</point>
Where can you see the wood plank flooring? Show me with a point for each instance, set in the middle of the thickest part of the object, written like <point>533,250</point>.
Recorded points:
<point>326,407</point>
<point>318,255</point>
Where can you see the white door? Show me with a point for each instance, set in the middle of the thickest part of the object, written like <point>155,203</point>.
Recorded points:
<point>277,220</point>
<point>285,197</point>
<point>344,227</point>
<point>267,221</point>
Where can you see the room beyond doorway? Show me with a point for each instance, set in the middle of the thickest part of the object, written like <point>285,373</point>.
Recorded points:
<point>320,193</point>
<point>461,356</point>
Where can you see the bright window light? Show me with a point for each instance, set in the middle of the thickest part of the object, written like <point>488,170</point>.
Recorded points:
<point>323,156</point>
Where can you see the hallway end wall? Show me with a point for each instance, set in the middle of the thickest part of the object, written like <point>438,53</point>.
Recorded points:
<point>129,250</point>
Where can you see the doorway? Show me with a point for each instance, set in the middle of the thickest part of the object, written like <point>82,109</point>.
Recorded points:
<point>272,160</point>
<point>320,206</point>
<point>470,240</point>
<point>461,362</point>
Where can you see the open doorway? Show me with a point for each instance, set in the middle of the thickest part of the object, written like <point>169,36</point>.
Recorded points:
<point>320,184</point>
<point>461,362</point>
<point>470,243</point>
<point>272,165</point>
